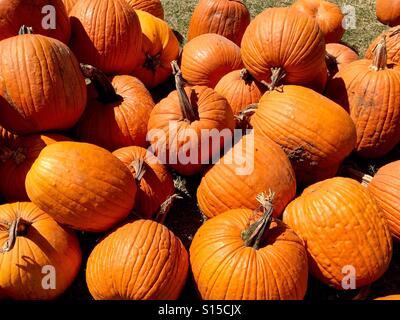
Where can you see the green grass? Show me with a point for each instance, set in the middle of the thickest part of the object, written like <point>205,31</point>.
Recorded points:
<point>178,13</point>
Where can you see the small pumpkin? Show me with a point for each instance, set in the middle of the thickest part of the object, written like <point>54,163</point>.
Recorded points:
<point>388,12</point>
<point>147,261</point>
<point>343,229</point>
<point>392,37</point>
<point>106,34</point>
<point>151,6</point>
<point>225,17</point>
<point>338,57</point>
<point>159,48</point>
<point>81,185</point>
<point>207,58</point>
<point>32,245</point>
<point>238,256</point>
<point>117,112</point>
<point>69,4</point>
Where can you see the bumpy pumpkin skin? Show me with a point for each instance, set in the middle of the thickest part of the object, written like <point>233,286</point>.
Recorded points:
<point>119,124</point>
<point>207,58</point>
<point>225,17</point>
<point>388,12</point>
<point>316,148</point>
<point>342,225</point>
<point>146,261</point>
<point>224,268</point>
<point>81,185</point>
<point>341,55</point>
<point>230,184</point>
<point>69,4</point>
<point>46,243</point>
<point>392,45</point>
<point>17,157</point>
<point>159,48</point>
<point>156,185</point>
<point>55,95</point>
<point>151,6</point>
<point>16,13</point>
<point>385,186</point>
<point>106,34</point>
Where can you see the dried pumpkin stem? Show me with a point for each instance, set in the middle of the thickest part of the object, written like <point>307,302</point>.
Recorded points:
<point>25,30</point>
<point>16,228</point>
<point>380,55</point>
<point>165,207</point>
<point>364,179</point>
<point>17,155</point>
<point>277,75</point>
<point>243,118</point>
<point>152,62</point>
<point>139,166</point>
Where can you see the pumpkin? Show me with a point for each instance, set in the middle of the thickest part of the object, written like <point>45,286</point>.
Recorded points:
<point>16,158</point>
<point>81,185</point>
<point>54,92</point>
<point>316,133</point>
<point>160,47</point>
<point>178,122</point>
<point>238,256</point>
<point>69,4</point>
<point>6,137</point>
<point>117,112</point>
<point>15,13</point>
<point>328,15</point>
<point>33,248</point>
<point>155,184</point>
<point>283,46</point>
<point>392,45</point>
<point>391,297</point>
<point>106,34</point>
<point>244,172</point>
<point>343,229</point>
<point>225,17</point>
<point>338,57</point>
<point>146,260</point>
<point>388,12</point>
<point>370,90</point>
<point>207,58</point>
<point>151,6</point>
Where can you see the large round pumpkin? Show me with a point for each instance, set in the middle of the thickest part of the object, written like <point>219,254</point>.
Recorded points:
<point>39,259</point>
<point>344,231</point>
<point>106,34</point>
<point>225,17</point>
<point>145,259</point>
<point>69,4</point>
<point>151,6</point>
<point>81,185</point>
<point>207,58</point>
<point>155,184</point>
<point>54,92</point>
<point>388,12</point>
<point>316,133</point>
<point>392,45</point>
<point>339,57</point>
<point>116,115</point>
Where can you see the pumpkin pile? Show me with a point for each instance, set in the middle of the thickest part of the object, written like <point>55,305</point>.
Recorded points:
<point>113,138</point>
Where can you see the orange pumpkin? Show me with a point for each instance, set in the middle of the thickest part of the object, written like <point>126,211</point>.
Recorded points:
<point>81,185</point>
<point>392,36</point>
<point>33,248</point>
<point>391,297</point>
<point>146,260</point>
<point>388,12</point>
<point>344,231</point>
<point>339,57</point>
<point>151,6</point>
<point>69,4</point>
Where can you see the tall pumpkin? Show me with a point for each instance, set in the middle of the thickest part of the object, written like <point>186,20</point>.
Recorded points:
<point>106,34</point>
<point>151,6</point>
<point>344,231</point>
<point>339,57</point>
<point>229,18</point>
<point>54,92</point>
<point>388,12</point>
<point>81,185</point>
<point>117,112</point>
<point>392,45</point>
<point>146,260</point>
<point>370,90</point>
<point>316,133</point>
<point>33,248</point>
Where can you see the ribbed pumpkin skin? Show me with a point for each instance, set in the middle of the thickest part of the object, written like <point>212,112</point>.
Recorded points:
<point>46,243</point>
<point>225,269</point>
<point>141,260</point>
<point>151,6</point>
<point>388,12</point>
<point>159,48</point>
<point>385,186</point>
<point>16,13</point>
<point>328,15</point>
<point>229,18</point>
<point>106,34</point>
<point>285,38</point>
<point>155,187</point>
<point>119,124</point>
<point>343,56</point>
<point>373,99</point>
<point>81,185</point>
<point>213,112</point>
<point>342,225</point>
<point>207,58</point>
<point>222,188</point>
<point>14,168</point>
<point>54,97</point>
<point>316,133</point>
<point>69,4</point>
<point>392,45</point>
<point>392,297</point>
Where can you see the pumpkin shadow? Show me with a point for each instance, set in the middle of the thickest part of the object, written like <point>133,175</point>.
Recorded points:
<point>338,85</point>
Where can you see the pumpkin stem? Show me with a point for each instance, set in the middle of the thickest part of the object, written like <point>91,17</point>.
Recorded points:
<point>243,118</point>
<point>17,156</point>
<point>101,82</point>
<point>277,75</point>
<point>253,234</point>
<point>380,55</point>
<point>25,30</point>
<point>186,107</point>
<point>161,215</point>
<point>364,179</point>
<point>152,62</point>
<point>16,228</point>
<point>140,168</point>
